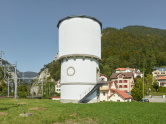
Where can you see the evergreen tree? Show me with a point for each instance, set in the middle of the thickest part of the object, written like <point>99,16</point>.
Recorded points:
<point>137,91</point>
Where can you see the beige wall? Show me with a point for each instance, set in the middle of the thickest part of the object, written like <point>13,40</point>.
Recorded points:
<point>130,81</point>
<point>157,73</point>
<point>102,97</point>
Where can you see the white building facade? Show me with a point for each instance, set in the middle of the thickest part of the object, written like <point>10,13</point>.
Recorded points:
<point>79,53</point>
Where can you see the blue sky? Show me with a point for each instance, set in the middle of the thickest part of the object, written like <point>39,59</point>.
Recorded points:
<point>28,32</point>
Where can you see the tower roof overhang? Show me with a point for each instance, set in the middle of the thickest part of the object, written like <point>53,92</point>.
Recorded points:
<point>79,16</point>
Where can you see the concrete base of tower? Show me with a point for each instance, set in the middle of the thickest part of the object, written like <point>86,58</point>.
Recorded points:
<point>74,93</point>
<point>76,101</point>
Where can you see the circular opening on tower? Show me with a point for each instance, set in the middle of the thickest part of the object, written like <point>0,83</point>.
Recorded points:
<point>70,71</point>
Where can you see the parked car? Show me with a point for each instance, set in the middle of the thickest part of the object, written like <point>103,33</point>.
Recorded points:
<point>145,100</point>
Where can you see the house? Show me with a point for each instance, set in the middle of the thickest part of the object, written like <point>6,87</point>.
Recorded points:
<point>124,81</point>
<point>136,72</point>
<point>158,73</point>
<point>120,96</point>
<point>104,91</point>
<point>103,77</point>
<point>161,81</point>
<point>119,70</point>
<point>109,92</point>
<point>58,87</point>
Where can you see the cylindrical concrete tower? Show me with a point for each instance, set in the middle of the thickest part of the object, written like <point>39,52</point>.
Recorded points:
<point>79,53</point>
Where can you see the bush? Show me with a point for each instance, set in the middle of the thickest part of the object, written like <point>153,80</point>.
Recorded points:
<point>162,89</point>
<point>57,94</point>
<point>5,91</point>
<point>45,96</point>
<point>22,94</point>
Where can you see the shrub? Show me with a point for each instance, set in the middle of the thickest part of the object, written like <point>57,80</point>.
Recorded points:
<point>162,89</point>
<point>22,94</point>
<point>5,91</point>
<point>45,96</point>
<point>57,94</point>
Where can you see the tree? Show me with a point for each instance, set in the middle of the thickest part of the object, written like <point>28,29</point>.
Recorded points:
<point>22,91</point>
<point>137,91</point>
<point>148,83</point>
<point>155,86</point>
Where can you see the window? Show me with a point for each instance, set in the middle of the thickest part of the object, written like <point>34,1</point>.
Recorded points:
<point>125,86</point>
<point>102,79</point>
<point>120,81</point>
<point>103,93</point>
<point>120,86</point>
<point>120,76</point>
<point>125,81</point>
<point>116,81</point>
<point>118,100</point>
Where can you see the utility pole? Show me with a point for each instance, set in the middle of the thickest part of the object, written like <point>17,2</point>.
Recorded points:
<point>42,87</point>
<point>49,88</point>
<point>8,86</point>
<point>15,80</point>
<point>143,83</point>
<point>1,58</point>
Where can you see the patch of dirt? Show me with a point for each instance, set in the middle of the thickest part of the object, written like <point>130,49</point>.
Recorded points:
<point>3,113</point>
<point>14,100</point>
<point>37,101</point>
<point>22,103</point>
<point>73,115</point>
<point>38,109</point>
<point>86,121</point>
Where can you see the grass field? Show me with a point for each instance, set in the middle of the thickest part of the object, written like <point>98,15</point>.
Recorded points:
<point>52,112</point>
<point>157,93</point>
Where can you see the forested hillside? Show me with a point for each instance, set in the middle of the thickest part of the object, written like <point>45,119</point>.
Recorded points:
<point>132,46</point>
<point>123,49</point>
<point>142,30</point>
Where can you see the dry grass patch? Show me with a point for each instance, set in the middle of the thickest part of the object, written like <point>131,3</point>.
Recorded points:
<point>38,109</point>
<point>73,115</point>
<point>80,120</point>
<point>37,101</point>
<point>23,103</point>
<point>14,100</point>
<point>3,113</point>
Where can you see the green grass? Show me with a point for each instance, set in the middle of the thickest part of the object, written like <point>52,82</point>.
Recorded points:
<point>104,112</point>
<point>157,93</point>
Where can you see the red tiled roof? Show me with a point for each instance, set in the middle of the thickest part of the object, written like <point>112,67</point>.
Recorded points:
<point>55,96</point>
<point>126,74</point>
<point>161,78</point>
<point>121,93</point>
<point>123,69</point>
<point>103,75</point>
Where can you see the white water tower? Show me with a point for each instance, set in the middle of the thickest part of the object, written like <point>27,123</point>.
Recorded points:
<point>79,53</point>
